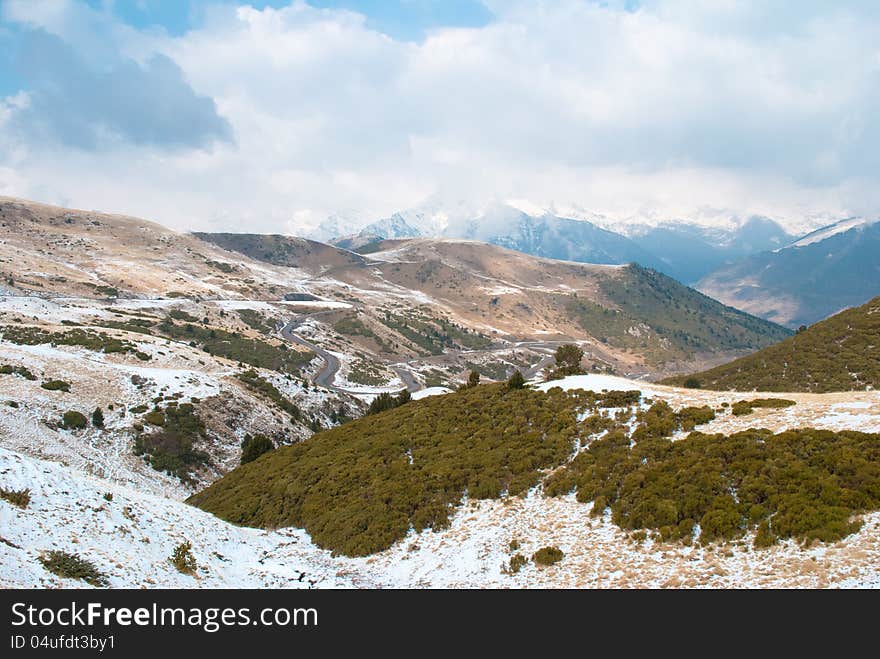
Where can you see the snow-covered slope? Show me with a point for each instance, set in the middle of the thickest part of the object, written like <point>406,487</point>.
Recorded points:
<point>129,534</point>
<point>832,230</point>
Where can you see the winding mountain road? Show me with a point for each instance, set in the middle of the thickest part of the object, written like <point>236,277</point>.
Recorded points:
<point>326,376</point>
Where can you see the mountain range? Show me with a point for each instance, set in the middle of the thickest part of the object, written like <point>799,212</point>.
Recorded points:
<point>683,250</point>
<point>828,270</point>
<point>753,264</point>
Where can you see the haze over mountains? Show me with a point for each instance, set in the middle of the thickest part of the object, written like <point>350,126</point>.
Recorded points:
<point>683,250</point>
<point>754,264</point>
<point>828,270</point>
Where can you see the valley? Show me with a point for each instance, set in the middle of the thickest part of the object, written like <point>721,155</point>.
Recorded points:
<point>137,364</point>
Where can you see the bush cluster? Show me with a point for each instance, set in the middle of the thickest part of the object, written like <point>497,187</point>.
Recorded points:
<point>56,385</point>
<point>73,420</point>
<point>252,447</point>
<point>744,407</point>
<point>360,487</point>
<point>548,556</point>
<point>385,401</point>
<point>20,498</point>
<point>172,449</point>
<point>72,566</point>
<point>8,369</point>
<point>182,558</point>
<point>805,484</point>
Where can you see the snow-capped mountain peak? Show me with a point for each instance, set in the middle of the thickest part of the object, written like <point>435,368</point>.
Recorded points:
<point>832,230</point>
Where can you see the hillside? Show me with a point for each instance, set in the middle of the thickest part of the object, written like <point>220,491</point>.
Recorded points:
<point>360,488</point>
<point>841,353</point>
<point>831,269</point>
<point>51,251</point>
<point>636,321</point>
<point>657,313</point>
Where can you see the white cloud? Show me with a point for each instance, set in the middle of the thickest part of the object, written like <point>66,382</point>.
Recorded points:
<point>679,109</point>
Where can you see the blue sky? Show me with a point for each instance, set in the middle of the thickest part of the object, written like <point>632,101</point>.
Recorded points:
<point>277,113</point>
<point>404,20</point>
<point>401,19</point>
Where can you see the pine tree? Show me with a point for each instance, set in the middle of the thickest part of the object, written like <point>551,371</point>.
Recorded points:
<point>568,359</point>
<point>473,379</point>
<point>516,381</point>
<point>253,447</point>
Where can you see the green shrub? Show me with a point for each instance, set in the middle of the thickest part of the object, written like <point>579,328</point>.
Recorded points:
<point>182,558</point>
<point>547,556</point>
<point>385,401</point>
<point>56,385</point>
<point>362,486</point>
<point>255,320</point>
<point>20,498</point>
<point>690,417</point>
<point>692,383</point>
<point>172,449</point>
<point>619,398</point>
<point>253,447</point>
<point>73,420</point>
<point>744,407</point>
<point>516,381</point>
<point>517,562</point>
<point>809,483</point>
<point>71,566</point>
<point>155,418</point>
<point>568,360</point>
<point>98,418</point>
<point>765,536</point>
<point>7,369</point>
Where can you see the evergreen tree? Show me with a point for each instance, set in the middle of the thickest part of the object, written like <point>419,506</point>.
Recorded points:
<point>253,447</point>
<point>473,379</point>
<point>516,381</point>
<point>568,359</point>
<point>98,418</point>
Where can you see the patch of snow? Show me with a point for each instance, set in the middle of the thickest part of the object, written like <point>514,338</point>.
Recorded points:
<point>598,382</point>
<point>430,391</point>
<point>317,304</point>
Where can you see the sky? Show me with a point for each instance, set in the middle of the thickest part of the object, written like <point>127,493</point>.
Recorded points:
<point>275,114</point>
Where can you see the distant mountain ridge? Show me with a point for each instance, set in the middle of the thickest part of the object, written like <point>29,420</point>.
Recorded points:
<point>818,275</point>
<point>684,251</point>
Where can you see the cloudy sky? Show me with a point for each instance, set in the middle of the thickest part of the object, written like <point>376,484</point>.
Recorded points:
<point>216,114</point>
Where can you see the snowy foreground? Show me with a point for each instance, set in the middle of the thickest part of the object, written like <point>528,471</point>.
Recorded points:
<point>129,534</point>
